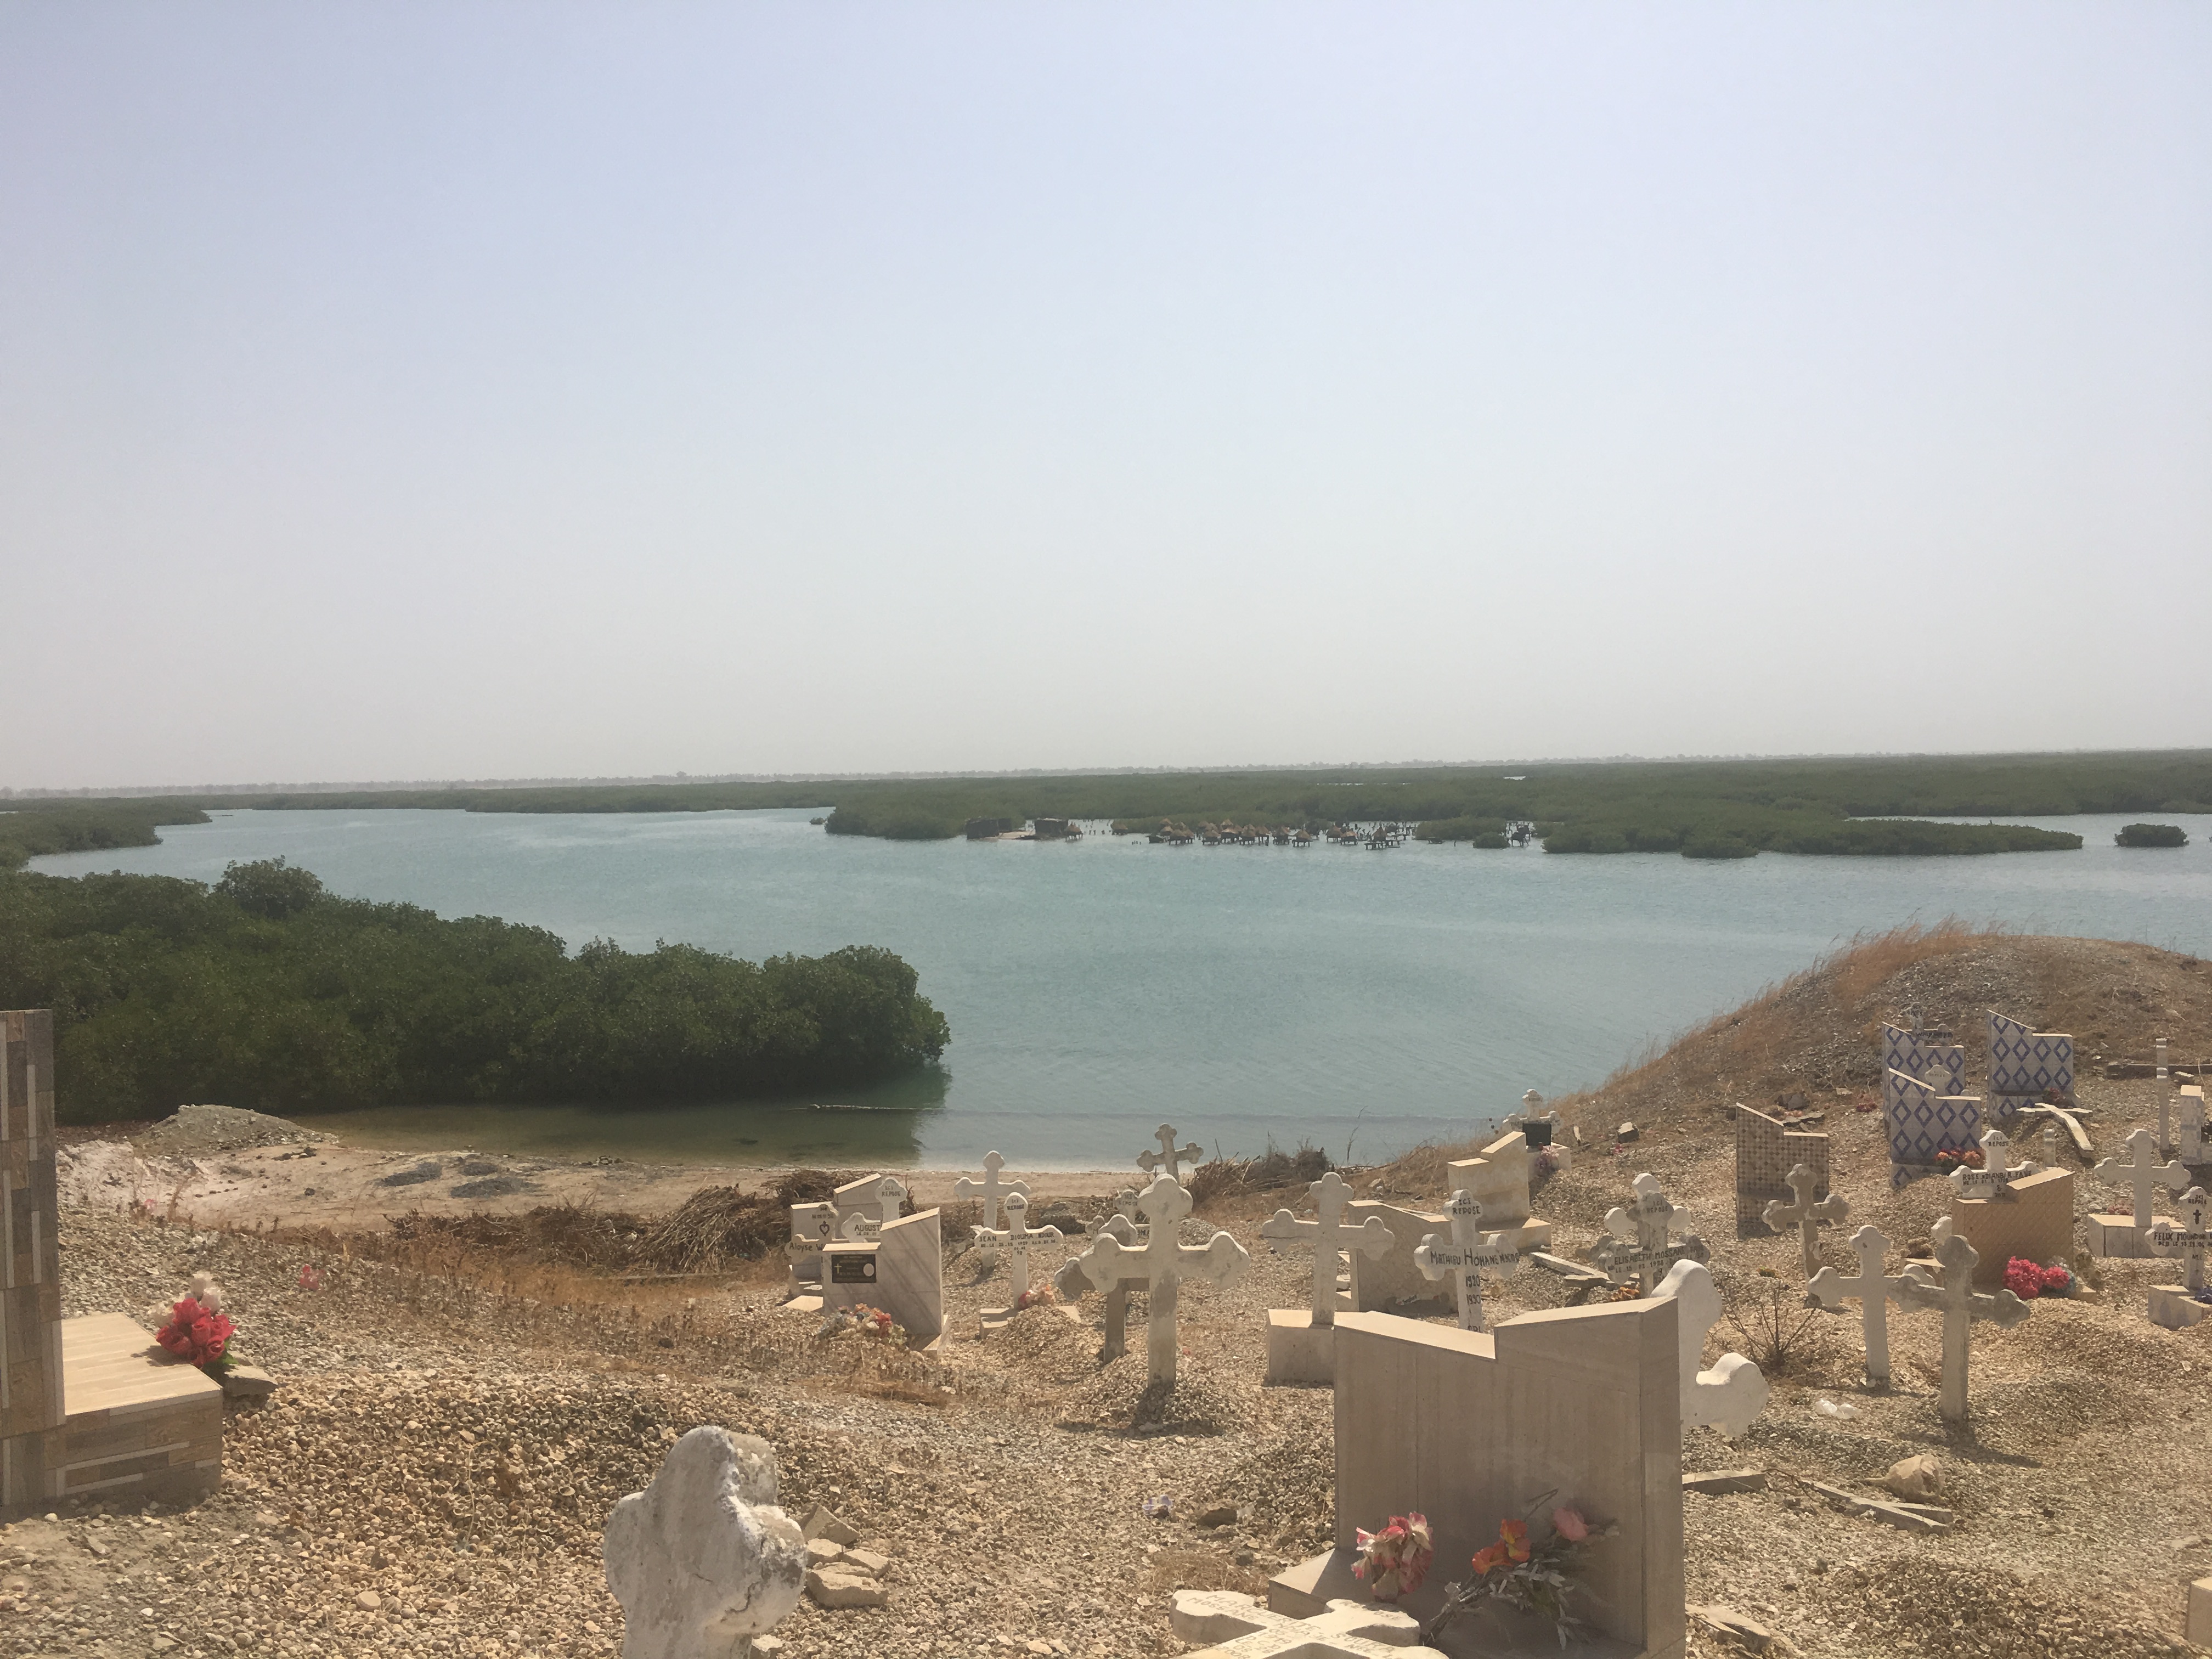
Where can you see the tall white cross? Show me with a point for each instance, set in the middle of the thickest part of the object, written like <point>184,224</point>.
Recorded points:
<point>2139,1172</point>
<point>1470,1251</point>
<point>1960,1304</point>
<point>1169,1157</point>
<point>1874,1291</point>
<point>1997,1172</point>
<point>1328,1235</point>
<point>1638,1248</point>
<point>2190,1239</point>
<point>1806,1216</point>
<point>1163,1263</point>
<point>1017,1236</point>
<point>990,1189</point>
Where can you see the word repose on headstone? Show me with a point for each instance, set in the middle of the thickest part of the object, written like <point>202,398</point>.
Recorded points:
<point>1163,1262</point>
<point>1299,1339</point>
<point>703,1559</point>
<point>1639,1247</point>
<point>1962,1306</point>
<point>2142,1175</point>
<point>2175,1306</point>
<point>1805,1213</point>
<point>990,1190</point>
<point>1874,1291</point>
<point>1734,1392</point>
<point>1464,1257</point>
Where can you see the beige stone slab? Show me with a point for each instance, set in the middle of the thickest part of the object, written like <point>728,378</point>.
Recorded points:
<point>109,1364</point>
<point>1392,1280</point>
<point>1299,1354</point>
<point>2200,1612</point>
<point>2171,1306</point>
<point>910,1274</point>
<point>2117,1235</point>
<point>2035,1220</point>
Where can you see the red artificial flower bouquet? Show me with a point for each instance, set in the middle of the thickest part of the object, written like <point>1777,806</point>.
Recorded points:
<point>1526,1573</point>
<point>198,1331</point>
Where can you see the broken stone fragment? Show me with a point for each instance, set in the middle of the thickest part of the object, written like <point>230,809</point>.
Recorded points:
<point>823,1521</point>
<point>838,1590</point>
<point>246,1382</point>
<point>1915,1477</point>
<point>866,1561</point>
<point>821,1552</point>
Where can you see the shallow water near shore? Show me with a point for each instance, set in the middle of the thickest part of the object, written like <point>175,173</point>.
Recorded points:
<point>1364,1001</point>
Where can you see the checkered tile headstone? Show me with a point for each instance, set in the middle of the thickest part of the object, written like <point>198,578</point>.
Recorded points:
<point>2025,1064</point>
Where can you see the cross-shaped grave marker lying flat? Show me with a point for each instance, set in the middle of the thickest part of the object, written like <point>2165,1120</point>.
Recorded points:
<point>1018,1236</point>
<point>1638,1248</point>
<point>2144,1173</point>
<point>1170,1158</point>
<point>1236,1625</point>
<point>1997,1172</point>
<point>990,1189</point>
<point>2190,1239</point>
<point>1961,1305</point>
<point>1463,1259</point>
<point>1328,1235</point>
<point>1805,1215</point>
<point>1874,1291</point>
<point>1163,1263</point>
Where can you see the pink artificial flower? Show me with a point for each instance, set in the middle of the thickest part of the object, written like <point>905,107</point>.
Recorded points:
<point>310,1279</point>
<point>1569,1525</point>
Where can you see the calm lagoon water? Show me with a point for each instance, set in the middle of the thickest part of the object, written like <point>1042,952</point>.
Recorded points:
<point>1362,999</point>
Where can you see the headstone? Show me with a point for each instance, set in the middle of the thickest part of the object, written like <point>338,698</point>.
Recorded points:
<point>1960,1304</point>
<point>1928,1055</point>
<point>2026,1067</point>
<point>1300,1348</point>
<point>1170,1158</point>
<point>812,1226</point>
<point>1235,1626</point>
<point>1806,1213</point>
<point>1499,1179</point>
<point>703,1559</point>
<point>1997,1172</point>
<point>990,1189</point>
<point>1638,1246</point>
<point>1920,1123</point>
<point>1392,1282</point>
<point>1874,1291</point>
<point>2142,1175</point>
<point>2175,1306</point>
<point>2192,1142</point>
<point>1734,1392</point>
<point>910,1275</point>
<point>1163,1262</point>
<point>1765,1152</point>
<point>875,1195</point>
<point>1462,1258</point>
<point>1016,1238</point>
<point>1466,1427</point>
<point>2032,1217</point>
<point>31,1395</point>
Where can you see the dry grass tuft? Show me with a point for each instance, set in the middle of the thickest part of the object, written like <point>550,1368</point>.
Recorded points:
<point>1202,1570</point>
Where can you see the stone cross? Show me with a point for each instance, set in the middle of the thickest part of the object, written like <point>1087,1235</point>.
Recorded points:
<point>1328,1235</point>
<point>1638,1248</point>
<point>1170,1156</point>
<point>1017,1236</point>
<point>990,1189</point>
<point>889,1196</point>
<point>2190,1239</point>
<point>1163,1263</point>
<point>1463,1261</point>
<point>2140,1173</point>
<point>1997,1172</point>
<point>1234,1624</point>
<point>703,1560</point>
<point>1874,1292</point>
<point>1960,1304</point>
<point>1806,1216</point>
<point>1071,1281</point>
<point>1729,1396</point>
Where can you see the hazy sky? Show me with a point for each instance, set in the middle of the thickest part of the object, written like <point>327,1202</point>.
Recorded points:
<point>480,390</point>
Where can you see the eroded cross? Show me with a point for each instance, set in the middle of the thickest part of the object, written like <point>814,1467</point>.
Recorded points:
<point>1734,1392</point>
<point>1170,1158</point>
<point>1234,1624</point>
<point>1874,1291</point>
<point>1805,1215</point>
<point>1464,1258</point>
<point>1018,1236</point>
<point>1961,1305</point>
<point>1997,1172</point>
<point>1638,1248</point>
<point>990,1189</point>
<point>1327,1234</point>
<point>2142,1172</point>
<point>1163,1263</point>
<point>2190,1239</point>
<point>888,1195</point>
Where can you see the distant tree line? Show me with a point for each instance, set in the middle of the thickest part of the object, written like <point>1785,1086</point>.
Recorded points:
<point>266,991</point>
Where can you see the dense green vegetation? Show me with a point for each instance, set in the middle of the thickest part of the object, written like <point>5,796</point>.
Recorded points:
<point>264,991</point>
<point>2151,834</point>
<point>68,826</point>
<point>1708,808</point>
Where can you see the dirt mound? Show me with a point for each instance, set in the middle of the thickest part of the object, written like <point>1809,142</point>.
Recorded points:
<point>1120,1401</point>
<point>202,1129</point>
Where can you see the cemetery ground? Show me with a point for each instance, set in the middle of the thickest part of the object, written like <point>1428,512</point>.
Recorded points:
<point>453,1429</point>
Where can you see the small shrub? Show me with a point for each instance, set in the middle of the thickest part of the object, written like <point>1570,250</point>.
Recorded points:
<point>1777,1330</point>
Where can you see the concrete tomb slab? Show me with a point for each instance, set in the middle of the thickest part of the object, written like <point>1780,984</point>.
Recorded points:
<point>1238,1627</point>
<point>2033,1217</point>
<point>1298,1345</point>
<point>2142,1174</point>
<point>1392,1282</point>
<point>910,1275</point>
<point>2175,1306</point>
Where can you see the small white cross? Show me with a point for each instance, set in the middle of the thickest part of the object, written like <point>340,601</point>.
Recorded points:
<point>1327,1234</point>
<point>1639,1248</point>
<point>1163,1262</point>
<point>1017,1235</point>
<point>1874,1292</point>
<point>1961,1306</point>
<point>1997,1172</point>
<point>1806,1216</point>
<point>1463,1261</point>
<point>2189,1241</point>
<point>2142,1174</point>
<point>990,1189</point>
<point>1170,1156</point>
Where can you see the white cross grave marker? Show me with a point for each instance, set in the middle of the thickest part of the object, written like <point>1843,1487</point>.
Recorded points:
<point>1874,1292</point>
<point>1235,1624</point>
<point>1170,1156</point>
<point>1638,1248</point>
<point>1997,1172</point>
<point>990,1189</point>
<point>1163,1263</point>
<point>2189,1241</point>
<point>1017,1236</point>
<point>1805,1215</point>
<point>2139,1172</point>
<point>1961,1305</point>
<point>1328,1235</point>
<point>1729,1396</point>
<point>1464,1258</point>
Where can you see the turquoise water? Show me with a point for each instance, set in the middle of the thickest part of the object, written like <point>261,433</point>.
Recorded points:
<point>1363,1000</point>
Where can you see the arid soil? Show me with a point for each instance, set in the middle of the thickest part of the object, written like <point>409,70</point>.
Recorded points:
<point>453,1428</point>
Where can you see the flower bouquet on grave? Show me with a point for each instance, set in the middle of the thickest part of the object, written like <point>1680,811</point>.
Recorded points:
<point>1396,1559</point>
<point>1042,1296</point>
<point>1948,1159</point>
<point>2028,1281</point>
<point>198,1331</point>
<point>1525,1573</point>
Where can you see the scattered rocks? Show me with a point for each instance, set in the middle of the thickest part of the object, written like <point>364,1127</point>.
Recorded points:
<point>1627,1132</point>
<point>828,1587</point>
<point>1915,1477</point>
<point>224,1129</point>
<point>1726,1480</point>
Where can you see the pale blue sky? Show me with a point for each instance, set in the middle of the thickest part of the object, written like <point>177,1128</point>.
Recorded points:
<point>476,390</point>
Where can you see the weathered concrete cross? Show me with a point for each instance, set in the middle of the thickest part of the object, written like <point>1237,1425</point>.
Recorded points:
<point>1163,1263</point>
<point>2142,1173</point>
<point>1997,1172</point>
<point>2190,1239</point>
<point>990,1189</point>
<point>1874,1292</point>
<point>1239,1628</point>
<point>1017,1236</point>
<point>1327,1234</point>
<point>1729,1396</point>
<point>888,1195</point>
<point>1463,1261</point>
<point>1170,1156</point>
<point>1960,1304</point>
<point>1805,1215</point>
<point>1638,1248</point>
